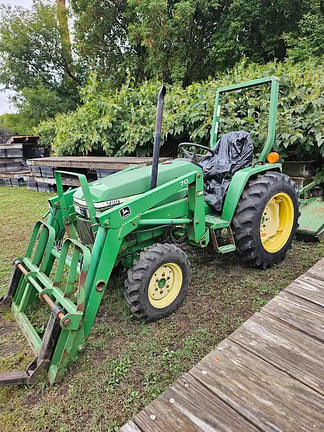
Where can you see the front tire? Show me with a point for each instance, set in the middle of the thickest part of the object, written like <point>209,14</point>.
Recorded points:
<point>266,219</point>
<point>157,283</point>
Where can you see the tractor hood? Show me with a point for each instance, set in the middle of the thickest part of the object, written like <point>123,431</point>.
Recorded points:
<point>124,185</point>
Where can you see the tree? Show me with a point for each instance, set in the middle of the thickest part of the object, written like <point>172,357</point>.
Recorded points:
<point>101,37</point>
<point>62,18</point>
<point>147,38</point>
<point>181,40</point>
<point>255,29</point>
<point>307,39</point>
<point>176,35</point>
<point>30,47</point>
<point>34,63</point>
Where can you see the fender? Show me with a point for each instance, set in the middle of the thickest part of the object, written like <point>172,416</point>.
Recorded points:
<point>238,184</point>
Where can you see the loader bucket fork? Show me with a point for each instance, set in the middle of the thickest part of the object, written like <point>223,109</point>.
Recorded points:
<point>63,293</point>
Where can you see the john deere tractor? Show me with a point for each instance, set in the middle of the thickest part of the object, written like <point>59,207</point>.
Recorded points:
<point>217,195</point>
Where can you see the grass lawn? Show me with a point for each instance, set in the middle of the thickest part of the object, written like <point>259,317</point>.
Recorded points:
<point>127,363</point>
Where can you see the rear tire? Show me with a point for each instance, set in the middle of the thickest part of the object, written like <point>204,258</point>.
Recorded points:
<point>266,219</point>
<point>158,282</point>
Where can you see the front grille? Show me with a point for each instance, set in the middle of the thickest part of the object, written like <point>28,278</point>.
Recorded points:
<point>85,231</point>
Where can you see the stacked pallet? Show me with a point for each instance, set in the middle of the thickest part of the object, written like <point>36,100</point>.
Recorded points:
<point>12,164</point>
<point>4,139</point>
<point>302,172</point>
<point>13,155</point>
<point>42,178</point>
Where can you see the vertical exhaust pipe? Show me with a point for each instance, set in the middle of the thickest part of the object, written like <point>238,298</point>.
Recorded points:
<point>157,137</point>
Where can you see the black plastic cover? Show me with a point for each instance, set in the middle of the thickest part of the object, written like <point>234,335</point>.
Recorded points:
<point>233,152</point>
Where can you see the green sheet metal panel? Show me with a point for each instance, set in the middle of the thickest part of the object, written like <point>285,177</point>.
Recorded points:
<point>134,181</point>
<point>311,220</point>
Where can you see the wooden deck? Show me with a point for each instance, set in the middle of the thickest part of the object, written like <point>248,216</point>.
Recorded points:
<point>266,376</point>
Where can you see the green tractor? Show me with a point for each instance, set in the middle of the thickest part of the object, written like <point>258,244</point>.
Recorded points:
<point>137,218</point>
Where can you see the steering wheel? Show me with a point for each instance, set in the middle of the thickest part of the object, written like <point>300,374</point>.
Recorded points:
<point>194,155</point>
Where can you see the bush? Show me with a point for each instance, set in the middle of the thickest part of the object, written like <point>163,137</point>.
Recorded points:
<point>121,122</point>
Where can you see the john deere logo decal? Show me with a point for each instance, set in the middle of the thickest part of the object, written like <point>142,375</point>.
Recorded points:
<point>83,212</point>
<point>125,212</point>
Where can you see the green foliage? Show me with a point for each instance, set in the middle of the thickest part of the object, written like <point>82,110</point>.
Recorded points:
<point>175,37</point>
<point>255,29</point>
<point>118,371</point>
<point>319,177</point>
<point>40,103</point>
<point>121,122</point>
<point>29,47</point>
<point>308,39</point>
<point>5,125</point>
<point>101,38</point>
<point>11,124</point>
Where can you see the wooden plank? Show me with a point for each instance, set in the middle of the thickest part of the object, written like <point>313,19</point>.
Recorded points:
<point>66,181</point>
<point>10,169</point>
<point>308,288</point>
<point>11,146</point>
<point>8,160</point>
<point>317,271</point>
<point>299,313</point>
<point>316,274</point>
<point>284,347</point>
<point>194,407</point>
<point>15,174</point>
<point>130,427</point>
<point>88,162</point>
<point>269,398</point>
<point>23,138</point>
<point>160,416</point>
<point>131,159</point>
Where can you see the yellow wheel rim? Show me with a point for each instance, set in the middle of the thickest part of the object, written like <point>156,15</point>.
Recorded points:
<point>165,285</point>
<point>276,222</point>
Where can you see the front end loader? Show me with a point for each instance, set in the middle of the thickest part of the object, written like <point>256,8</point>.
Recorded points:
<point>138,218</point>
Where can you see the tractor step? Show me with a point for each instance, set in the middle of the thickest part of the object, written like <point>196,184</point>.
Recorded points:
<point>216,222</point>
<point>227,248</point>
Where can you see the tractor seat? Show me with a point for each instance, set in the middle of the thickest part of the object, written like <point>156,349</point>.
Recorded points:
<point>233,152</point>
